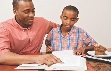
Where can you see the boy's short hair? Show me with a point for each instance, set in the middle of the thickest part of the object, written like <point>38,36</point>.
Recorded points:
<point>71,8</point>
<point>15,3</point>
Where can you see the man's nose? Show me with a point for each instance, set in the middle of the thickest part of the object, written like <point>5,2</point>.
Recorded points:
<point>31,14</point>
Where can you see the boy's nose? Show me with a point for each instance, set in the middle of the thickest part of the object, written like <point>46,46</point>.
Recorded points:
<point>68,22</point>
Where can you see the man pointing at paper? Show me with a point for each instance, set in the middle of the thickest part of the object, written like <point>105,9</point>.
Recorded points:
<point>24,35</point>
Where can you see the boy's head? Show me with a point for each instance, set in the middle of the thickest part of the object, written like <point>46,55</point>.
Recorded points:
<point>69,16</point>
<point>71,8</point>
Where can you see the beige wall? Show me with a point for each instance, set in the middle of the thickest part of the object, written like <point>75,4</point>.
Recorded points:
<point>95,15</point>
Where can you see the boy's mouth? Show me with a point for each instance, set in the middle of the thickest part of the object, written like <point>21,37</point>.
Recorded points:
<point>67,26</point>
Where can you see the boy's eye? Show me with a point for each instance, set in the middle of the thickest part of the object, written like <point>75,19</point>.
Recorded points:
<point>64,18</point>
<point>73,19</point>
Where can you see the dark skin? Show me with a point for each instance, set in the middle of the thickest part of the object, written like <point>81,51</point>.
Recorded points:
<point>69,18</point>
<point>109,49</point>
<point>24,15</point>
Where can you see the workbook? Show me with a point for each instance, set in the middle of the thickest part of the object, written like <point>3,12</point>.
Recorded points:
<point>70,62</point>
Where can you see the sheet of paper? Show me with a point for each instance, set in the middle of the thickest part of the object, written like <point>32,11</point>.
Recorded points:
<point>67,57</point>
<point>71,62</point>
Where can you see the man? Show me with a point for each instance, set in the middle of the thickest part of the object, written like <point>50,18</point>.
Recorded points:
<point>24,34</point>
<point>68,36</point>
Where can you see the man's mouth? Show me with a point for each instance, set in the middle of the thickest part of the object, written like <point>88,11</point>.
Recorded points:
<point>30,20</point>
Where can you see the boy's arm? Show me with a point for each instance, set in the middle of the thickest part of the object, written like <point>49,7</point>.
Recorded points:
<point>109,49</point>
<point>48,39</point>
<point>89,43</point>
<point>83,50</point>
<point>48,43</point>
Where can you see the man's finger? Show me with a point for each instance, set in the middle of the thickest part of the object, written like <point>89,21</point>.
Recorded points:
<point>57,59</point>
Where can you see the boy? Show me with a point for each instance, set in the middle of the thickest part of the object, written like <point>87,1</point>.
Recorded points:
<point>68,36</point>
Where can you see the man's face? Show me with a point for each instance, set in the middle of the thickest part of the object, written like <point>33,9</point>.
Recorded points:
<point>69,18</point>
<point>25,13</point>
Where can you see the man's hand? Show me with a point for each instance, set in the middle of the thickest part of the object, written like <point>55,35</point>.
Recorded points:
<point>47,59</point>
<point>48,49</point>
<point>80,51</point>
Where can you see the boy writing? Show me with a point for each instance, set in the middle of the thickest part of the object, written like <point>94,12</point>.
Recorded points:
<point>68,36</point>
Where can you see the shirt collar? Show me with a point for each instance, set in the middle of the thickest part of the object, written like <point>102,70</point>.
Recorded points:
<point>18,26</point>
<point>71,31</point>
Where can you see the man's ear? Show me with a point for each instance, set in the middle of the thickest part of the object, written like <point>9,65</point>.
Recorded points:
<point>14,11</point>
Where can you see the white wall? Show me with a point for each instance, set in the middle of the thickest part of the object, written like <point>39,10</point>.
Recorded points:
<point>94,15</point>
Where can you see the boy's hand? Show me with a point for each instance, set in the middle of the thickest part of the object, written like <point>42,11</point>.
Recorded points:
<point>109,49</point>
<point>80,51</point>
<point>48,49</point>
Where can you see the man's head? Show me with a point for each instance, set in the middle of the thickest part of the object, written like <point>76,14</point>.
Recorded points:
<point>24,12</point>
<point>69,16</point>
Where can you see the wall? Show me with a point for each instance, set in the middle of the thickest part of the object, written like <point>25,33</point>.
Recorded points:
<point>94,15</point>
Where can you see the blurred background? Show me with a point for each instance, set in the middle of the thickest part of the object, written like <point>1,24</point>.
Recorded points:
<point>94,16</point>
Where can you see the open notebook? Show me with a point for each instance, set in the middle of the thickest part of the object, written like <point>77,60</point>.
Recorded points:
<point>71,62</point>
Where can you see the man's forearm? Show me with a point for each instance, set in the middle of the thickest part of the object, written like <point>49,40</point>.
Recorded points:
<point>11,58</point>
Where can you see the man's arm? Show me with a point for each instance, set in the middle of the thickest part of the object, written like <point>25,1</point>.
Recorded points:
<point>11,58</point>
<point>51,26</point>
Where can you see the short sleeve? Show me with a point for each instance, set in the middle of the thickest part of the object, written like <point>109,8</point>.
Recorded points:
<point>50,26</point>
<point>4,40</point>
<point>88,40</point>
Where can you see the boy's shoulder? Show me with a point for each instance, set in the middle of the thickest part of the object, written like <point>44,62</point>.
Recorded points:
<point>76,27</point>
<point>55,30</point>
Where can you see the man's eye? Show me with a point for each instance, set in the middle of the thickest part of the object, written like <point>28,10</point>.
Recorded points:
<point>26,12</point>
<point>33,11</point>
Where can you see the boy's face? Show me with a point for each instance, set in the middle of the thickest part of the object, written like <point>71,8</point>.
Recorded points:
<point>69,18</point>
<point>25,13</point>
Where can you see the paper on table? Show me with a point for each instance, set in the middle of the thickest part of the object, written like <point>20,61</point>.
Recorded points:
<point>67,57</point>
<point>71,62</point>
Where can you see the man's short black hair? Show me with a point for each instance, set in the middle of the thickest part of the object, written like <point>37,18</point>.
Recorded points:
<point>15,3</point>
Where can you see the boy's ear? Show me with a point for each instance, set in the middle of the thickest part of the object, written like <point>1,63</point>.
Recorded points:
<point>60,16</point>
<point>77,20</point>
